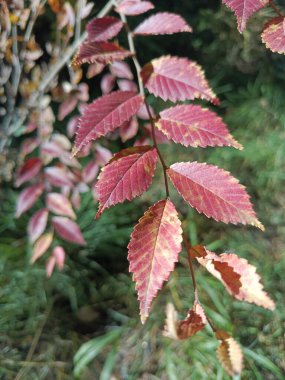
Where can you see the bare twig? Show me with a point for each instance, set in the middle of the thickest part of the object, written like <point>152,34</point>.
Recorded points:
<point>276,10</point>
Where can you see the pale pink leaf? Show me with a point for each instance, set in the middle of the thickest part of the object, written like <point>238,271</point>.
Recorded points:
<point>103,155</point>
<point>37,224</point>
<point>173,78</point>
<point>95,69</point>
<point>192,125</point>
<point>237,275</point>
<point>57,176</point>
<point>134,7</point>
<point>274,35</point>
<point>121,70</point>
<point>50,265</point>
<point>90,171</point>
<point>59,254</point>
<point>67,107</point>
<point>68,230</point>
<point>127,176</point>
<point>100,52</point>
<point>30,169</point>
<point>103,29</point>
<point>213,192</point>
<point>129,129</point>
<point>28,197</point>
<point>104,115</point>
<point>153,251</point>
<point>244,9</point>
<point>162,23</point>
<point>60,205</point>
<point>127,85</point>
<point>41,246</point>
<point>29,145</point>
<point>107,83</point>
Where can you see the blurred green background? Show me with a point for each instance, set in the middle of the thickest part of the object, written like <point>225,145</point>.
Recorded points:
<point>83,322</point>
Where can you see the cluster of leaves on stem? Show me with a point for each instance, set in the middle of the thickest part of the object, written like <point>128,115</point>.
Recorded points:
<point>123,111</point>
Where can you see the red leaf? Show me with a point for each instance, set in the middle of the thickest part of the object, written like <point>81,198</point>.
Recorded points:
<point>28,198</point>
<point>244,9</point>
<point>29,170</point>
<point>134,7</point>
<point>173,78</point>
<point>153,251</point>
<point>213,192</point>
<point>94,69</point>
<point>274,35</point>
<point>229,354</point>
<point>121,70</point>
<point>237,275</point>
<point>58,176</point>
<point>192,125</point>
<point>68,230</point>
<point>100,52</point>
<point>162,23</point>
<point>41,246</point>
<point>104,115</point>
<point>127,176</point>
<point>129,129</point>
<point>194,322</point>
<point>103,29</point>
<point>60,205</point>
<point>37,224</point>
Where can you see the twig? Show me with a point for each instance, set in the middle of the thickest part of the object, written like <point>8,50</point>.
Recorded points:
<point>276,10</point>
<point>35,341</point>
<point>138,70</point>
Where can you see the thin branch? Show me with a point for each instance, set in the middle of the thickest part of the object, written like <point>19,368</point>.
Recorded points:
<point>276,10</point>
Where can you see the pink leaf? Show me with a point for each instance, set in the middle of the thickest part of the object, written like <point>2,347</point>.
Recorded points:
<point>103,29</point>
<point>104,115</point>
<point>173,78</point>
<point>100,52</point>
<point>153,251</point>
<point>50,265</point>
<point>60,205</point>
<point>68,230</point>
<point>134,7</point>
<point>29,170</point>
<point>127,85</point>
<point>127,176</point>
<point>274,35</point>
<point>57,176</point>
<point>107,83</point>
<point>192,125</point>
<point>59,254</point>
<point>95,69</point>
<point>37,224</point>
<point>162,23</point>
<point>121,70</point>
<point>129,129</point>
<point>90,171</point>
<point>41,246</point>
<point>28,198</point>
<point>237,275</point>
<point>67,107</point>
<point>213,192</point>
<point>103,155</point>
<point>244,9</point>
<point>29,145</point>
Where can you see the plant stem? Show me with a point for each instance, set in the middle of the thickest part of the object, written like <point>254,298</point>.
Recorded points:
<point>138,70</point>
<point>188,247</point>
<point>276,10</point>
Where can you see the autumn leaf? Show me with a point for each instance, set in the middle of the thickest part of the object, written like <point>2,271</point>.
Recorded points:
<point>28,170</point>
<point>153,251</point>
<point>162,23</point>
<point>104,115</point>
<point>229,353</point>
<point>68,230</point>
<point>37,224</point>
<point>182,329</point>
<point>133,7</point>
<point>236,274</point>
<point>244,9</point>
<point>192,125</point>
<point>28,197</point>
<point>41,246</point>
<point>273,35</point>
<point>173,78</point>
<point>60,205</point>
<point>100,52</point>
<point>213,192</point>
<point>127,176</point>
<point>103,29</point>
